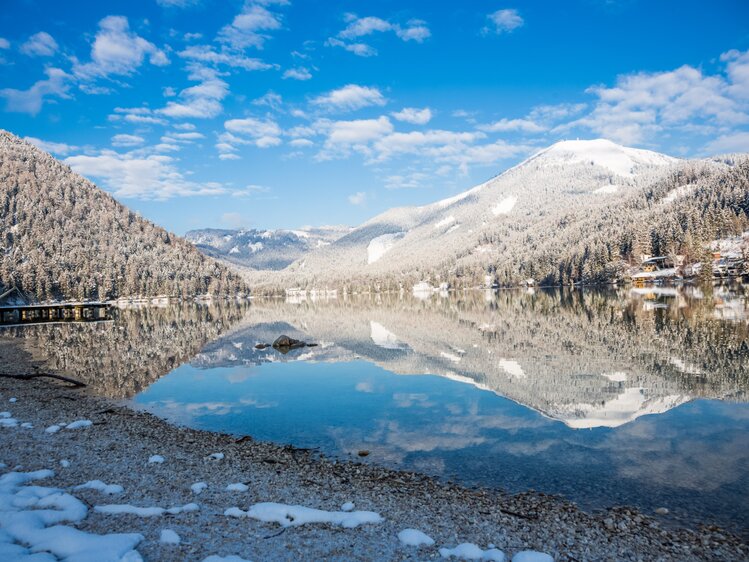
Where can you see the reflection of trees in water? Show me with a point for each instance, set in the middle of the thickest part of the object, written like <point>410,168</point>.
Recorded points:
<point>567,353</point>
<point>551,350</point>
<point>119,359</point>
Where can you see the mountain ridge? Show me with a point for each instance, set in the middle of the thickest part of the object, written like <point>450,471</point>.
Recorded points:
<point>529,208</point>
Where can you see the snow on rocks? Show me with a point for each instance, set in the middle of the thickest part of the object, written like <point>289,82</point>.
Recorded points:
<point>532,556</point>
<point>169,537</point>
<point>79,424</point>
<point>296,515</point>
<point>198,487</point>
<point>470,551</point>
<point>98,485</point>
<point>230,558</point>
<point>12,400</point>
<point>53,429</point>
<point>155,459</point>
<point>216,456</point>
<point>127,509</point>
<point>348,506</point>
<point>64,463</point>
<point>30,525</point>
<point>237,487</point>
<point>414,537</point>
<point>27,425</point>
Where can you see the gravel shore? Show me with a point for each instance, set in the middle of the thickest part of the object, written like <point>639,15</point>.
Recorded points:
<point>117,447</point>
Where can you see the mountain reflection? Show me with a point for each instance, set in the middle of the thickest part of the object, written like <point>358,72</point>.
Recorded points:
<point>588,358</point>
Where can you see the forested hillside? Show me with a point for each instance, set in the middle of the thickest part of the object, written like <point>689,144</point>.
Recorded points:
<point>576,212</point>
<point>62,237</point>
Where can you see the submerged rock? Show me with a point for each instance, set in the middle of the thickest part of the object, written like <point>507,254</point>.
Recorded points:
<point>261,346</point>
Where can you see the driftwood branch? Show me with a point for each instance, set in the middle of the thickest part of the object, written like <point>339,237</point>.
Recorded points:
<point>48,375</point>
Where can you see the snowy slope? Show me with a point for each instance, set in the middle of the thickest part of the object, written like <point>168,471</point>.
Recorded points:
<point>567,175</point>
<point>263,249</point>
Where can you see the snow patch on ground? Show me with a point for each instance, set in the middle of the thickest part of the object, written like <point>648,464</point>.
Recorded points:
<point>230,558</point>
<point>505,206</point>
<point>444,222</point>
<point>296,515</point>
<point>615,377</point>
<point>198,487</point>
<point>217,456</point>
<point>98,485</point>
<point>169,537</point>
<point>382,244</point>
<point>414,537</point>
<point>470,551</point>
<point>53,429</point>
<point>155,459</point>
<point>30,525</point>
<point>237,487</point>
<point>607,189</point>
<point>127,509</point>
<point>79,424</point>
<point>678,192</point>
<point>348,506</point>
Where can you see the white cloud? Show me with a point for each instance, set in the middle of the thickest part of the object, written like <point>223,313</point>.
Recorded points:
<point>358,198</point>
<point>207,54</point>
<point>141,174</point>
<point>4,43</point>
<point>299,73</point>
<point>413,180</point>
<point>413,30</point>
<point>413,115</point>
<point>40,44</point>
<point>31,101</point>
<point>270,99</point>
<point>118,51</point>
<point>177,3</point>
<point>504,21</point>
<point>734,142</point>
<point>127,140</point>
<point>350,97</point>
<point>262,133</point>
<point>433,143</point>
<point>358,131</point>
<point>247,27</point>
<point>513,125</point>
<point>301,143</point>
<point>642,106</point>
<point>53,147</point>
<point>359,49</point>
<point>201,101</point>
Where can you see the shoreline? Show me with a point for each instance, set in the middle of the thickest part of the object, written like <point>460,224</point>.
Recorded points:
<point>117,446</point>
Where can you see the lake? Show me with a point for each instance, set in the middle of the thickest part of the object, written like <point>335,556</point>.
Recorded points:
<point>616,397</point>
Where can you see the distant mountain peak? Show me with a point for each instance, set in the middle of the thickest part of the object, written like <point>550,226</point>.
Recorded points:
<point>621,160</point>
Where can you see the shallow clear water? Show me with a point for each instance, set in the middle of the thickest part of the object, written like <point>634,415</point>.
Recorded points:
<point>610,398</point>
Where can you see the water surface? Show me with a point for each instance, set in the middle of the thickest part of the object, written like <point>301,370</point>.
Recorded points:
<point>618,397</point>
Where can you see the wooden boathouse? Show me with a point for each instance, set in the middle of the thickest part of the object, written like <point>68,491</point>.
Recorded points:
<point>16,308</point>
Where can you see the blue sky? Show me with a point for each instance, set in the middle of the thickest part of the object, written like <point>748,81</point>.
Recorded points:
<point>280,114</point>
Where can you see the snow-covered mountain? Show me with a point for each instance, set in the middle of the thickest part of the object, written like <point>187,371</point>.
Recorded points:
<point>263,249</point>
<point>536,194</point>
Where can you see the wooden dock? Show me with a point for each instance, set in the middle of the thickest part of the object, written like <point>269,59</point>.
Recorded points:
<point>62,312</point>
